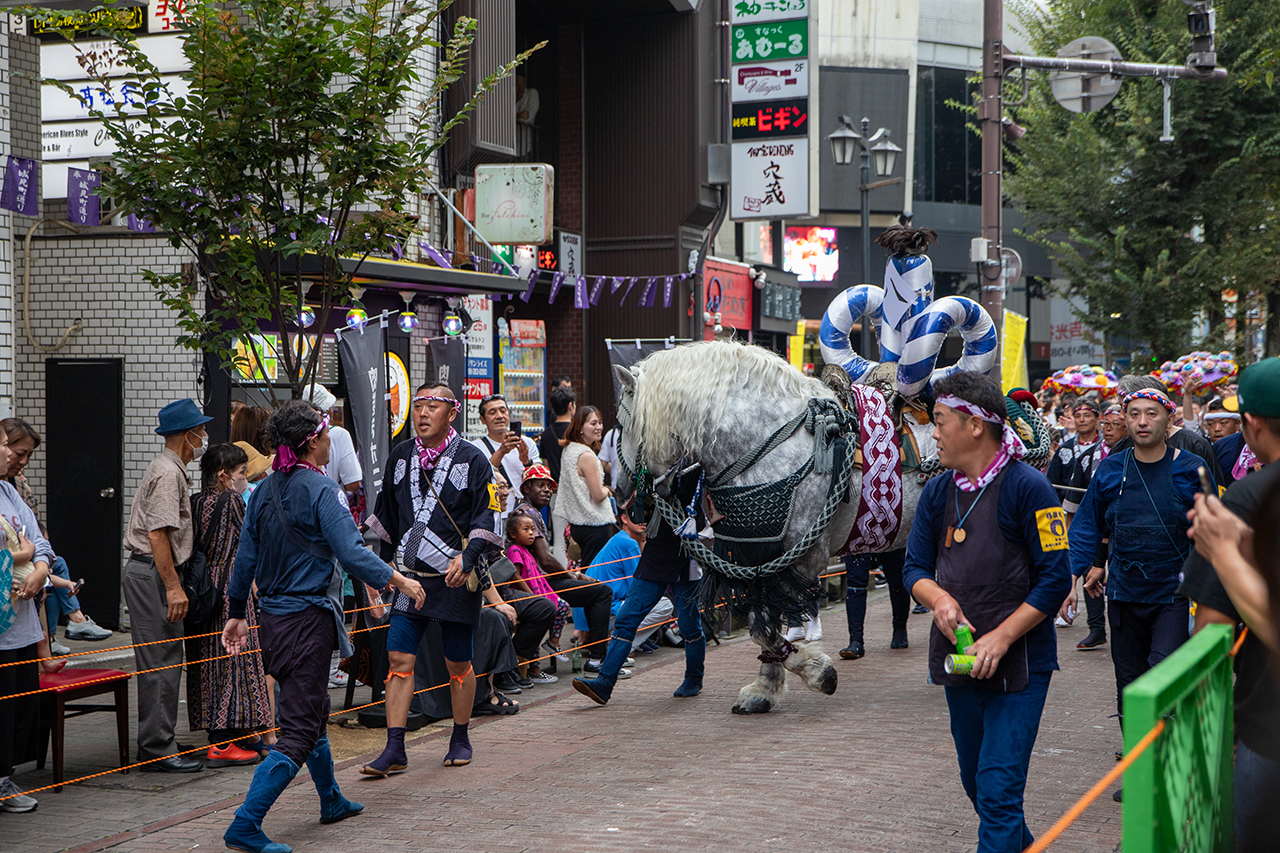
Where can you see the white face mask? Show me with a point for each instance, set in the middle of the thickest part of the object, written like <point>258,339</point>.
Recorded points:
<point>198,450</point>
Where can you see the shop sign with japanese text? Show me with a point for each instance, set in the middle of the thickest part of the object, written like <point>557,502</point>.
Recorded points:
<point>771,120</point>
<point>750,11</point>
<point>777,40</point>
<point>770,179</point>
<point>1069,342</point>
<point>767,81</point>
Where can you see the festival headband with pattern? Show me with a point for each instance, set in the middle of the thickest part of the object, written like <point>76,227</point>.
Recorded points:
<point>287,457</point>
<point>1086,405</point>
<point>1222,416</point>
<point>1150,394</point>
<point>1010,443</point>
<point>431,398</point>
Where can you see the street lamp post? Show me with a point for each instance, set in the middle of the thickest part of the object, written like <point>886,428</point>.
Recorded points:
<point>844,140</point>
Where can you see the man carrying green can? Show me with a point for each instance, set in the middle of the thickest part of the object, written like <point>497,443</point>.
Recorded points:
<point>988,550</point>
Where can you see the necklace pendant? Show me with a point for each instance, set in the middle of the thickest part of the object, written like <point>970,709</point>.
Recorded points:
<point>959,534</point>
<point>950,533</point>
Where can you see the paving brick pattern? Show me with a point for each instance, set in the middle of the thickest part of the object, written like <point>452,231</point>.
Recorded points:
<point>869,769</point>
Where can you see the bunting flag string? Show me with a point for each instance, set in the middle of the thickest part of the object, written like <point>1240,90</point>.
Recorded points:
<point>140,224</point>
<point>580,292</point>
<point>597,288</point>
<point>614,283</point>
<point>668,285</point>
<point>631,282</point>
<point>533,279</point>
<point>650,291</point>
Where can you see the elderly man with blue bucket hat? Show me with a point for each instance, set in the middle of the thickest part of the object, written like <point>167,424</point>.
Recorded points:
<point>161,537</point>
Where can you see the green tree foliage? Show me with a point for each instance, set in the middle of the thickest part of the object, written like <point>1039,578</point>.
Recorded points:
<point>1151,233</point>
<point>298,145</point>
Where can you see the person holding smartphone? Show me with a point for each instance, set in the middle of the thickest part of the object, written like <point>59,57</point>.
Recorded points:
<point>505,444</point>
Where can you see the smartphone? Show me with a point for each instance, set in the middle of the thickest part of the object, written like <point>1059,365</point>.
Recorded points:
<point>517,427</point>
<point>1205,486</point>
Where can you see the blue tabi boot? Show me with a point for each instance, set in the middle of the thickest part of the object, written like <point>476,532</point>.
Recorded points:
<point>600,688</point>
<point>333,806</point>
<point>695,660</point>
<point>245,832</point>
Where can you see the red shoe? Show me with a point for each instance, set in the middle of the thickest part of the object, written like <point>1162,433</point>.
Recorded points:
<point>231,756</point>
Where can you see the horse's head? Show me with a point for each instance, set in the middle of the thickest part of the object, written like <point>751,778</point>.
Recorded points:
<point>629,449</point>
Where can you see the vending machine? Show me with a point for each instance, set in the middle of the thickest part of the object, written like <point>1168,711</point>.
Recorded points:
<point>523,373</point>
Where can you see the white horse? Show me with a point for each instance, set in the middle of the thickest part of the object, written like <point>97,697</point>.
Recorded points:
<point>715,403</point>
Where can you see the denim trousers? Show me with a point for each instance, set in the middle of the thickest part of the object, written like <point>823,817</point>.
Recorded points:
<point>642,595</point>
<point>1257,785</point>
<point>60,601</point>
<point>857,569</point>
<point>994,734</point>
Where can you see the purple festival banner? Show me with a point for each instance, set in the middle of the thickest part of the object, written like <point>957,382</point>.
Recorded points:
<point>597,288</point>
<point>19,192</point>
<point>557,281</point>
<point>614,284</point>
<point>140,224</point>
<point>580,292</point>
<point>649,293</point>
<point>83,206</point>
<point>533,279</point>
<point>631,282</point>
<point>668,284</point>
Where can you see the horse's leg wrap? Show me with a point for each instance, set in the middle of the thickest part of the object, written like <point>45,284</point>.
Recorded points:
<point>786,650</point>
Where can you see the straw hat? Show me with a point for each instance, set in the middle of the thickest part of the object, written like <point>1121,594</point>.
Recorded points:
<point>258,464</point>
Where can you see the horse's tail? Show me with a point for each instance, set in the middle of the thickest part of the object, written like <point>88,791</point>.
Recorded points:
<point>863,300</point>
<point>926,334</point>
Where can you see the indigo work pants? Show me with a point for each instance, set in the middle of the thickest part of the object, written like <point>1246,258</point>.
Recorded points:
<point>857,576</point>
<point>994,734</point>
<point>295,652</point>
<point>1142,635</point>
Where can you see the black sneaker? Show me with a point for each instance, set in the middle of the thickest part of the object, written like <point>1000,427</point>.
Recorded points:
<point>1097,638</point>
<point>919,608</point>
<point>505,682</point>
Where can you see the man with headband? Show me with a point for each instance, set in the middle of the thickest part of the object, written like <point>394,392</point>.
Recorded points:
<point>1229,445</point>
<point>1139,498</point>
<point>1073,466</point>
<point>1177,437</point>
<point>435,516</point>
<point>988,549</point>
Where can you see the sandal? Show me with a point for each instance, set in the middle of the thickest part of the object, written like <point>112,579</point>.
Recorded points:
<point>504,706</point>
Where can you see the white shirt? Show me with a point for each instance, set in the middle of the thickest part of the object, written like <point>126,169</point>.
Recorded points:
<point>528,101</point>
<point>344,466</point>
<point>512,467</point>
<point>609,454</point>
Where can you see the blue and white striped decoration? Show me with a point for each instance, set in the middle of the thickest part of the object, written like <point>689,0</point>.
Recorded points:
<point>924,337</point>
<point>837,322</point>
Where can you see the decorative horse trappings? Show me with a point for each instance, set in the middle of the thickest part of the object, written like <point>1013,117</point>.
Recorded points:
<point>774,451</point>
<point>911,326</point>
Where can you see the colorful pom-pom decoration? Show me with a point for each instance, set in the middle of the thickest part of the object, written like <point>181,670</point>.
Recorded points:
<point>1198,370</point>
<point>1081,379</point>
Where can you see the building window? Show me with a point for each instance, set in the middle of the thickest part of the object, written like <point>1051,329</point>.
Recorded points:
<point>948,166</point>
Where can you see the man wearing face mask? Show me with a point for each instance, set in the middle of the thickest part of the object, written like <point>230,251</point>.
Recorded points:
<point>161,538</point>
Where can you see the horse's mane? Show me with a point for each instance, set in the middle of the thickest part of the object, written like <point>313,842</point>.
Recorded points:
<point>679,391</point>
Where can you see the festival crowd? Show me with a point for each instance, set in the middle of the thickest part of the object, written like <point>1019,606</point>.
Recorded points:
<point>477,555</point>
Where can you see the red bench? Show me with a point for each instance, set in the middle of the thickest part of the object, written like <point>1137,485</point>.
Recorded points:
<point>68,686</point>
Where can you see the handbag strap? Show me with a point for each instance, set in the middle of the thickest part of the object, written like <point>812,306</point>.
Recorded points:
<point>315,549</point>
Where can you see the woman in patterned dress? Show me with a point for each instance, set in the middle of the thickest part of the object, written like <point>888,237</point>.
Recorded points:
<point>227,697</point>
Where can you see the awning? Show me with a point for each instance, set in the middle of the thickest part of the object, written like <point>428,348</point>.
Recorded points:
<point>387,274</point>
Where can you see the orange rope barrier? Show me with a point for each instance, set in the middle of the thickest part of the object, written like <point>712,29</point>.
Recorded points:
<point>1096,791</point>
<point>277,728</point>
<point>1239,641</point>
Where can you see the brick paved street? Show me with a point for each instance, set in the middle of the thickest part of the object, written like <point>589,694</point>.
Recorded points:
<point>869,769</point>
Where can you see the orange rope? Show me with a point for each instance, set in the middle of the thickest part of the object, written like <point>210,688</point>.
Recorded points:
<point>1239,641</point>
<point>1096,791</point>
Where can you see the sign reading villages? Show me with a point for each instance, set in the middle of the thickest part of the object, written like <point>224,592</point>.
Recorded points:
<point>774,135</point>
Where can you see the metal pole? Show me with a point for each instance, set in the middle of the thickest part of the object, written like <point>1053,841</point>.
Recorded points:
<point>865,160</point>
<point>990,112</point>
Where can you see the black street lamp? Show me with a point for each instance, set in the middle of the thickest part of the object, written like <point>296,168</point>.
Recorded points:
<point>844,142</point>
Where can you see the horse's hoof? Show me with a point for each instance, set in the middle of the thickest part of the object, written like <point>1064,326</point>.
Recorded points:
<point>753,706</point>
<point>828,683</point>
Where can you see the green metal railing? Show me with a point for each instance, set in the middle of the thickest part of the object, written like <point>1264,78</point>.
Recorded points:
<point>1177,794</point>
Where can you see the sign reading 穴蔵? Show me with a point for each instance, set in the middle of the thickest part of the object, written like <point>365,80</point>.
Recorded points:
<point>773,109</point>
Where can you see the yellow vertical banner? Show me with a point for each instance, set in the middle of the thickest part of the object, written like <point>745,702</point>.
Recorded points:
<point>1013,372</point>
<point>795,347</point>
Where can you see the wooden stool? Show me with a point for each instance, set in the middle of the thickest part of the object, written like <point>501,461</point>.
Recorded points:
<point>68,686</point>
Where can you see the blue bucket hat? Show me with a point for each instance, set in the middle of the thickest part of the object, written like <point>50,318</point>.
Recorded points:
<point>180,416</point>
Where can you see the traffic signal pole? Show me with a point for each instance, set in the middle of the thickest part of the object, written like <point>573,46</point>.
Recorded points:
<point>1201,65</point>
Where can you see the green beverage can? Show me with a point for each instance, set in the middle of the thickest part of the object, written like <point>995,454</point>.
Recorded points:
<point>958,664</point>
<point>964,638</point>
<point>575,658</point>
